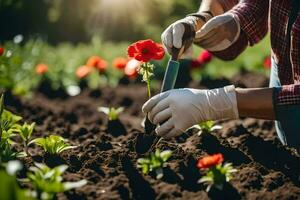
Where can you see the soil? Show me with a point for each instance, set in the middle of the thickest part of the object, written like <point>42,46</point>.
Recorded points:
<point>106,155</point>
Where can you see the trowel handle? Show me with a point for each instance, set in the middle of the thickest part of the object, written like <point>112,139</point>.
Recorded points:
<point>187,40</point>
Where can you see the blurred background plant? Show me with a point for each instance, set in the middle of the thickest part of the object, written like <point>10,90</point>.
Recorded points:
<point>53,40</point>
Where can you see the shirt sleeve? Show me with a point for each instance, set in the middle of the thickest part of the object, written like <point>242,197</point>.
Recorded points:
<point>253,18</point>
<point>288,95</point>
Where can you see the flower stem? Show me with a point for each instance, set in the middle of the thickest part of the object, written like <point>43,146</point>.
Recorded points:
<point>148,80</point>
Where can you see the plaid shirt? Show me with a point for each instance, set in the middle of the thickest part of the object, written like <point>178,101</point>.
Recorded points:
<point>256,17</point>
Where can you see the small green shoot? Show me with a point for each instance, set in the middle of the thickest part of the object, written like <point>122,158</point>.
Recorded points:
<point>217,176</point>
<point>112,113</point>
<point>52,144</point>
<point>47,182</point>
<point>207,127</point>
<point>154,162</point>
<point>146,70</point>
<point>25,132</point>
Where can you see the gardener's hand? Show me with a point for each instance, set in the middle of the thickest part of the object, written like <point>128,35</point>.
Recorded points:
<point>173,35</point>
<point>219,33</point>
<point>179,109</point>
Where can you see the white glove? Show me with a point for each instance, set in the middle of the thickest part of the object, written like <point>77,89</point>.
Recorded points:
<point>179,109</point>
<point>219,33</point>
<point>172,36</point>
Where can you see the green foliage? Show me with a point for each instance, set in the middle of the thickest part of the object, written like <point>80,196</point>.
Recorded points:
<point>112,113</point>
<point>217,176</point>
<point>154,162</point>
<point>8,127</point>
<point>47,182</point>
<point>52,144</point>
<point>9,188</point>
<point>25,131</point>
<point>207,127</point>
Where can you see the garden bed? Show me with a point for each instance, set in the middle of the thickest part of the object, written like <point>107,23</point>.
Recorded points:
<point>106,157</point>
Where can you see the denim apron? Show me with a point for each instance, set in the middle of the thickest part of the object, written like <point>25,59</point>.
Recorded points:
<point>287,122</point>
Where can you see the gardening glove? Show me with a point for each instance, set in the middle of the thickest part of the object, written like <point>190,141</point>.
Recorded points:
<point>219,33</point>
<point>179,109</point>
<point>173,36</point>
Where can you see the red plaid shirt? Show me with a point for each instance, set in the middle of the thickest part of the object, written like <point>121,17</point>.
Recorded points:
<point>256,18</point>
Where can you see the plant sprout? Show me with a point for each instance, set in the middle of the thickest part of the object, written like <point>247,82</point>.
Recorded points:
<point>154,162</point>
<point>25,131</point>
<point>207,127</point>
<point>48,182</point>
<point>112,113</point>
<point>217,173</point>
<point>52,144</point>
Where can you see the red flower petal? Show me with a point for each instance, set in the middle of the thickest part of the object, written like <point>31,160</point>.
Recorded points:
<point>210,161</point>
<point>1,51</point>
<point>83,71</point>
<point>205,56</point>
<point>120,63</point>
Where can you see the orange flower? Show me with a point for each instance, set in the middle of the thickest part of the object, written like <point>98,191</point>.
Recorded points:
<point>83,71</point>
<point>1,51</point>
<point>41,68</point>
<point>131,69</point>
<point>210,161</point>
<point>97,62</point>
<point>145,50</point>
<point>120,62</point>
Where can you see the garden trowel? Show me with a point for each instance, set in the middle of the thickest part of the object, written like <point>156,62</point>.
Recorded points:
<point>172,70</point>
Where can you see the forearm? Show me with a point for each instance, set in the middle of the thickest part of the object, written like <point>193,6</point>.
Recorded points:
<point>256,103</point>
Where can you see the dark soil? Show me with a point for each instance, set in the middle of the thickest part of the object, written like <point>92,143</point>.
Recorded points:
<point>106,155</point>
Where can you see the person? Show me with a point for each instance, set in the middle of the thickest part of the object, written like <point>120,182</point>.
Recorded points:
<point>226,28</point>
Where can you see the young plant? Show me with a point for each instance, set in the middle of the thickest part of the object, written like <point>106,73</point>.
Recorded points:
<point>144,51</point>
<point>47,182</point>
<point>52,144</point>
<point>217,173</point>
<point>207,127</point>
<point>25,132</point>
<point>112,113</point>
<point>8,127</point>
<point>154,162</point>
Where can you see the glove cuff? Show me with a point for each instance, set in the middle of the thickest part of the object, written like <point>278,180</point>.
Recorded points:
<point>231,94</point>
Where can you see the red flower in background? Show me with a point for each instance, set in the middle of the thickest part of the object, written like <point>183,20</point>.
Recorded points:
<point>41,68</point>
<point>210,161</point>
<point>83,71</point>
<point>120,62</point>
<point>132,67</point>
<point>267,63</point>
<point>1,51</point>
<point>205,57</point>
<point>145,50</point>
<point>97,62</point>
<point>195,63</point>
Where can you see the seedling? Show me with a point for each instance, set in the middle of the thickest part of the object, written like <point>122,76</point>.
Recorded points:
<point>112,113</point>
<point>217,173</point>
<point>52,144</point>
<point>154,162</point>
<point>47,182</point>
<point>207,127</point>
<point>25,131</point>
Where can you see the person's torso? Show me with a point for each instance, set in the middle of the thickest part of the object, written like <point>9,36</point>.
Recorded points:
<point>285,46</point>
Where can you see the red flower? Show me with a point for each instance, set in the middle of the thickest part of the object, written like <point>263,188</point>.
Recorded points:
<point>210,161</point>
<point>195,63</point>
<point>205,56</point>
<point>145,50</point>
<point>41,68</point>
<point>1,51</point>
<point>97,62</point>
<point>267,62</point>
<point>83,71</point>
<point>131,69</point>
<point>120,63</point>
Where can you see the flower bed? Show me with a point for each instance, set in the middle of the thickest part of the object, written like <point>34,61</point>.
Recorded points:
<point>106,156</point>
